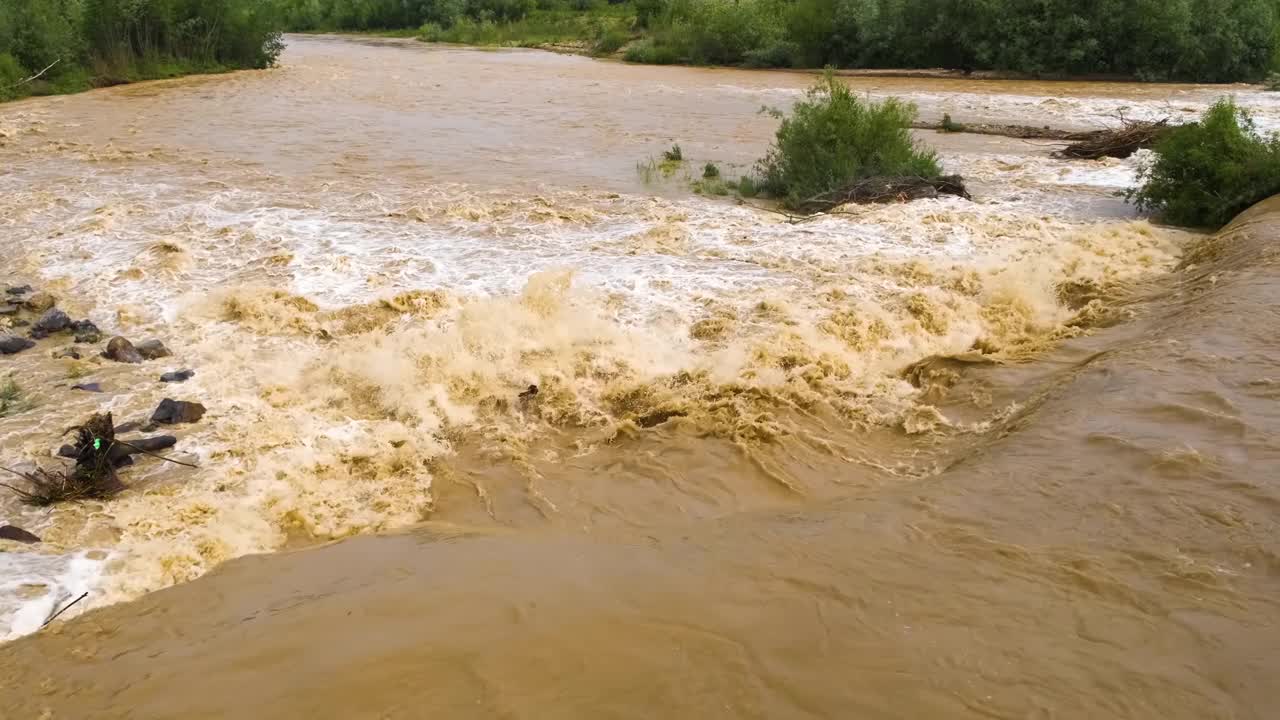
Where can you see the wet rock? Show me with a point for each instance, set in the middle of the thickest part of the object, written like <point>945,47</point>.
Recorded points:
<point>177,376</point>
<point>40,302</point>
<point>17,290</point>
<point>152,349</point>
<point>17,534</point>
<point>128,427</point>
<point>67,451</point>
<point>531,392</point>
<point>86,332</point>
<point>68,353</point>
<point>88,387</point>
<point>10,344</point>
<point>52,321</point>
<point>174,412</point>
<point>8,309</point>
<point>121,350</point>
<point>121,451</point>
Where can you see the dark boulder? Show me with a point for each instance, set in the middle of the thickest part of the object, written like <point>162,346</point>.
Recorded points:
<point>69,353</point>
<point>152,349</point>
<point>177,376</point>
<point>86,332</point>
<point>68,451</point>
<point>127,427</point>
<point>121,350</point>
<point>17,534</point>
<point>174,412</point>
<point>10,344</point>
<point>124,448</point>
<point>17,290</point>
<point>52,321</point>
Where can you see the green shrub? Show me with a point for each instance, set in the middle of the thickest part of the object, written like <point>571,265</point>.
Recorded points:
<point>610,41</point>
<point>748,186</point>
<point>778,55</point>
<point>833,139</point>
<point>674,155</point>
<point>649,52</point>
<point>710,171</point>
<point>1207,172</point>
<point>11,75</point>
<point>1273,82</point>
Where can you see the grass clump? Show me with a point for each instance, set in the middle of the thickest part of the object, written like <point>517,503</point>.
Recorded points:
<point>674,155</point>
<point>11,398</point>
<point>710,170</point>
<point>1207,172</point>
<point>834,139</point>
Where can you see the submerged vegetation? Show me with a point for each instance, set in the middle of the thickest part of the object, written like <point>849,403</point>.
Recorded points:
<point>1202,40</point>
<point>56,46</point>
<point>1205,173</point>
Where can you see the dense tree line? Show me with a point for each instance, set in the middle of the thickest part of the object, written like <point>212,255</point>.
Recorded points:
<point>105,41</point>
<point>1208,40</point>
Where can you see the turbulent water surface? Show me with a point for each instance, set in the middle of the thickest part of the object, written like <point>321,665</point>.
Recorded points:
<point>1006,458</point>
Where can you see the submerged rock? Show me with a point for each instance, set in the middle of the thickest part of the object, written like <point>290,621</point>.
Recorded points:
<point>174,412</point>
<point>152,349</point>
<point>54,320</point>
<point>17,290</point>
<point>8,309</point>
<point>40,302</point>
<point>88,387</point>
<point>177,376</point>
<point>17,534</point>
<point>126,427</point>
<point>86,331</point>
<point>121,350</point>
<point>69,353</point>
<point>531,392</point>
<point>123,449</point>
<point>10,344</point>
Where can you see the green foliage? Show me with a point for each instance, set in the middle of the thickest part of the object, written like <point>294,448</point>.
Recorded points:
<point>833,139</point>
<point>610,41</point>
<point>710,171</point>
<point>601,31</point>
<point>748,186</point>
<point>1273,82</point>
<point>675,154</point>
<point>11,398</point>
<point>1204,40</point>
<point>80,43</point>
<point>949,125</point>
<point>1207,172</point>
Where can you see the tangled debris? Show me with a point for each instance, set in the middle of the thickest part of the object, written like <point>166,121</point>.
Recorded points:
<point>1132,136</point>
<point>886,190</point>
<point>93,477</point>
<point>97,453</point>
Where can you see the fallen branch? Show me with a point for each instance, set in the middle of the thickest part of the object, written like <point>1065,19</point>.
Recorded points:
<point>24,81</point>
<point>64,609</point>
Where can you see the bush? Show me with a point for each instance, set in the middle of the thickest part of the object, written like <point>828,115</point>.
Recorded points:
<point>609,42</point>
<point>11,75</point>
<point>1207,172</point>
<point>833,139</point>
<point>649,52</point>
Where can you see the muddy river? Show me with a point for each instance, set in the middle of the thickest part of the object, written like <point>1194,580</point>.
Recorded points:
<point>1008,458</point>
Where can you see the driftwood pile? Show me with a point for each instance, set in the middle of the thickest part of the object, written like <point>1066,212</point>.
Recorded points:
<point>886,190</point>
<point>93,477</point>
<point>1121,142</point>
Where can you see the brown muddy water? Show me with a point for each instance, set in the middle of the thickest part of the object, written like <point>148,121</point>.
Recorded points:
<point>1014,458</point>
